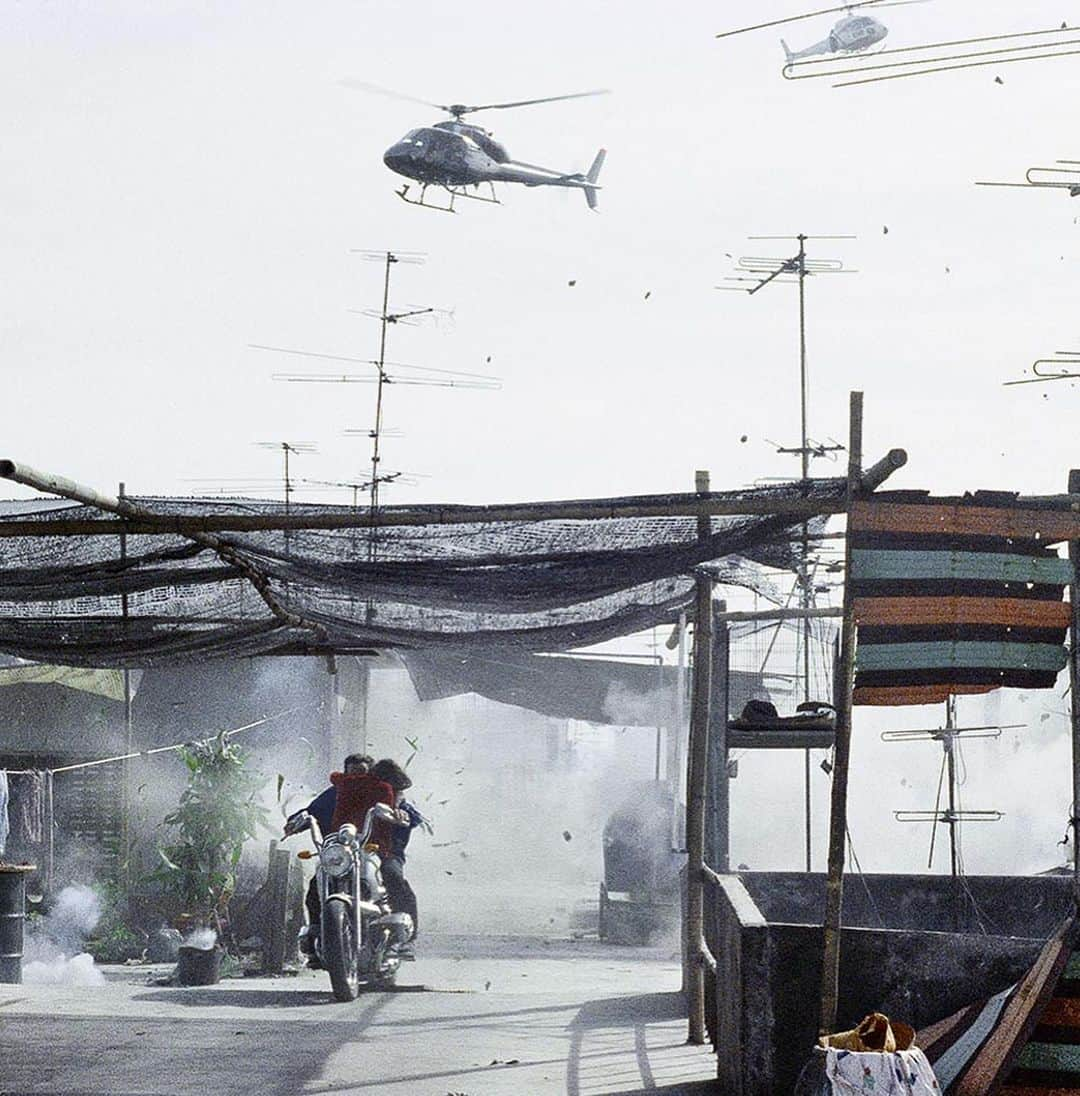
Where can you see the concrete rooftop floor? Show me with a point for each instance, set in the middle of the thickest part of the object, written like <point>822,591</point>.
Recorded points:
<point>471,1017</point>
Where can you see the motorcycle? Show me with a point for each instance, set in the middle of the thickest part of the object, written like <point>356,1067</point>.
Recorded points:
<point>358,933</point>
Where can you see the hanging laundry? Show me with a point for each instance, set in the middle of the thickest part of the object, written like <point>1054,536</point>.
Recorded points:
<point>26,808</point>
<point>5,826</point>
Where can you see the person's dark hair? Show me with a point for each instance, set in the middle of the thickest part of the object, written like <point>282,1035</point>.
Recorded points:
<point>359,763</point>
<point>391,772</point>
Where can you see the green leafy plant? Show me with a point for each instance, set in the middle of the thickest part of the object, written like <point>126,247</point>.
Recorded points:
<point>217,814</point>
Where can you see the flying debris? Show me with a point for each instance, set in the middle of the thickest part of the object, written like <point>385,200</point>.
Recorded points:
<point>465,160</point>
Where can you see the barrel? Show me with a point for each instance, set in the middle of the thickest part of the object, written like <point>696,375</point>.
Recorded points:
<point>12,918</point>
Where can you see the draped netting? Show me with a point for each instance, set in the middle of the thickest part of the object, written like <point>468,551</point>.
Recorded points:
<point>538,584</point>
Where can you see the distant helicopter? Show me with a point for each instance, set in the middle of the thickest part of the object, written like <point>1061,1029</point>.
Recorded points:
<point>455,155</point>
<point>851,34</point>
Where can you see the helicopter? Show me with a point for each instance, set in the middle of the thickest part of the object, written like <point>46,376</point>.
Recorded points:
<point>455,155</point>
<point>851,34</point>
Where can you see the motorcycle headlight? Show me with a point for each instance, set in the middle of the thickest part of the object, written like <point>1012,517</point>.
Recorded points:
<point>336,859</point>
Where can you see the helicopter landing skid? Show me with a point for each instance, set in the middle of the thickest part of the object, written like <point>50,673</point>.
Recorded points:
<point>453,192</point>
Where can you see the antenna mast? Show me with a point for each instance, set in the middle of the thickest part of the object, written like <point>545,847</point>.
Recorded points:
<point>755,273</point>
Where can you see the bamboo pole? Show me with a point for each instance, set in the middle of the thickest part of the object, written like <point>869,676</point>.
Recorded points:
<point>134,520</point>
<point>1074,681</point>
<point>695,806</point>
<point>834,893</point>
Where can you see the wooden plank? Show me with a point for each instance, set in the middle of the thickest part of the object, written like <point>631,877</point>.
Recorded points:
<point>869,565</point>
<point>961,655</point>
<point>1012,611</point>
<point>997,1056</point>
<point>1049,526</point>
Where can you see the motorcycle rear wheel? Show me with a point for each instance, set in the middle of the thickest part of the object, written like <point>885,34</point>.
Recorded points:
<point>339,950</point>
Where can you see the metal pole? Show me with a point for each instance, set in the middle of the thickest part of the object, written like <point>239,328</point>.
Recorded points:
<point>950,761</point>
<point>806,594</point>
<point>834,893</point>
<point>1074,680</point>
<point>377,433</point>
<point>695,807</point>
<point>129,742</point>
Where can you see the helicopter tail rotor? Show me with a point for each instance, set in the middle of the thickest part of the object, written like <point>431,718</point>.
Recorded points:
<point>591,177</point>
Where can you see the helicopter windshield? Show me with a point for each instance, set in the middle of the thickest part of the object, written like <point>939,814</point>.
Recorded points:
<point>414,137</point>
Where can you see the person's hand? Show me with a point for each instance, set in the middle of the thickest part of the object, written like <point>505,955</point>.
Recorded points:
<point>402,818</point>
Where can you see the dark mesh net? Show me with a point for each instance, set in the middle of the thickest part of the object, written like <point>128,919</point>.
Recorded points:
<point>547,584</point>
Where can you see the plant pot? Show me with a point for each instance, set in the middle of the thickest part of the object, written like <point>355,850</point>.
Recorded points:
<point>199,966</point>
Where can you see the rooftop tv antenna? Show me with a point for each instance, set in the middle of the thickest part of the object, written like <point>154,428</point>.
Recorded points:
<point>952,816</point>
<point>287,449</point>
<point>1064,366</point>
<point>934,57</point>
<point>386,372</point>
<point>754,273</point>
<point>1065,176</point>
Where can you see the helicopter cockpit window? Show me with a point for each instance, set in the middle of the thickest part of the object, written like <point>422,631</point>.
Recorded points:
<point>414,137</point>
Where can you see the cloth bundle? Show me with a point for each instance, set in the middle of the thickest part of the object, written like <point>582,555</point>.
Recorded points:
<point>880,1057</point>
<point>900,1073</point>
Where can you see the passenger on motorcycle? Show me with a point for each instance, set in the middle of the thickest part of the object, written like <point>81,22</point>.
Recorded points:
<point>350,796</point>
<point>401,895</point>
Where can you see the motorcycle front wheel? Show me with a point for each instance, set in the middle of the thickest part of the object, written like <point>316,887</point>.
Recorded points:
<point>339,950</point>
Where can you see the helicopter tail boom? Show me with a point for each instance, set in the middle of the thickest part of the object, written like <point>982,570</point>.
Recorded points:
<point>593,174</point>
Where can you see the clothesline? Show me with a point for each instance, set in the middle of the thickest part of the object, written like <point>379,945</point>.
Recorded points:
<point>163,749</point>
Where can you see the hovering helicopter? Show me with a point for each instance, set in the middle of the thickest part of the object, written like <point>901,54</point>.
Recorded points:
<point>455,155</point>
<point>851,34</point>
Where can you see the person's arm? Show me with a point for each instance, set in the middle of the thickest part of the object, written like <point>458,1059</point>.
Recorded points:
<point>321,808</point>
<point>410,816</point>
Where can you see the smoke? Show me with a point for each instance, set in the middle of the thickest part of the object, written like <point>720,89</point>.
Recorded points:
<point>54,947</point>
<point>518,801</point>
<point>202,939</point>
<point>629,708</point>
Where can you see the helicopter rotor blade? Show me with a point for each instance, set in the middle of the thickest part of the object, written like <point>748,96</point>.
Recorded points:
<point>532,102</point>
<point>375,89</point>
<point>807,15</point>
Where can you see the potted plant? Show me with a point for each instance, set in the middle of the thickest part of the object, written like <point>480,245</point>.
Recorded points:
<point>218,812</point>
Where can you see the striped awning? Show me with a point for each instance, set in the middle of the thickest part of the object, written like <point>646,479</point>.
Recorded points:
<point>957,596</point>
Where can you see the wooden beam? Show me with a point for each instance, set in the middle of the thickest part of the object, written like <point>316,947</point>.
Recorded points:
<point>697,770</point>
<point>136,521</point>
<point>834,893</point>
<point>780,614</point>
<point>718,791</point>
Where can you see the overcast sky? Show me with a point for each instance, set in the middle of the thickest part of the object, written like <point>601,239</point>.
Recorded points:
<point>179,180</point>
